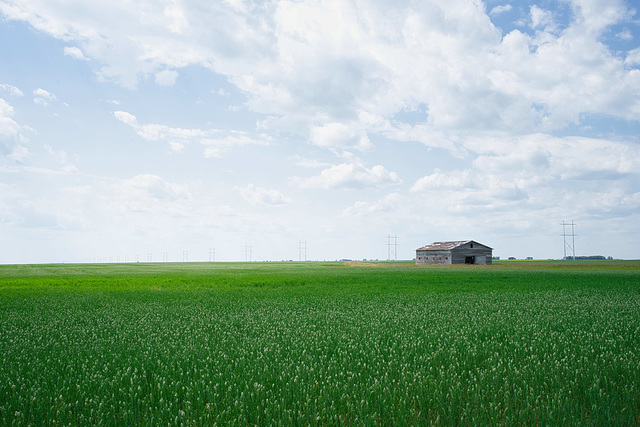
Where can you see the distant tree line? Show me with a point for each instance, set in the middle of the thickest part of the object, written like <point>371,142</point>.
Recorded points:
<point>590,257</point>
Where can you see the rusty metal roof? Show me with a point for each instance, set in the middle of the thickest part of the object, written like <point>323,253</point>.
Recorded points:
<point>447,246</point>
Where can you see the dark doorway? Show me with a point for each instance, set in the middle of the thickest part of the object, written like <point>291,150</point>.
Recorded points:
<point>470,260</point>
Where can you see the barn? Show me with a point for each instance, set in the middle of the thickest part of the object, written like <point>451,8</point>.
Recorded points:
<point>458,252</point>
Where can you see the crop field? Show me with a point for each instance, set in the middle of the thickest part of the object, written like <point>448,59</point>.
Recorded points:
<point>320,344</point>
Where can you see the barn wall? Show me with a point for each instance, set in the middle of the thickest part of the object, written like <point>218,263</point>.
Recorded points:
<point>482,254</point>
<point>433,257</point>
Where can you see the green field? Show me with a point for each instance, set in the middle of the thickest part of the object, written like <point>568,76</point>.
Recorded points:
<point>320,344</point>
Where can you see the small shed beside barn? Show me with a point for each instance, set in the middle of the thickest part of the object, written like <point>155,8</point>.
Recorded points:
<point>457,252</point>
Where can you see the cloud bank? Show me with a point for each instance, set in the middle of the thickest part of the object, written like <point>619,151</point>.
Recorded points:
<point>431,116</point>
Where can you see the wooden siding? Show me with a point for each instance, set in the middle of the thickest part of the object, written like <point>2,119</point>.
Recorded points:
<point>433,257</point>
<point>466,252</point>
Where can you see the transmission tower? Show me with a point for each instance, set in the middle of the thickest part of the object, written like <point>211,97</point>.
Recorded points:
<point>571,245</point>
<point>212,254</point>
<point>302,250</point>
<point>247,253</point>
<point>392,247</point>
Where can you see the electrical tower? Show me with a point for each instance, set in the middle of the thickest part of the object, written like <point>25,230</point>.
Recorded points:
<point>302,250</point>
<point>247,253</point>
<point>212,254</point>
<point>185,255</point>
<point>392,248</point>
<point>571,245</point>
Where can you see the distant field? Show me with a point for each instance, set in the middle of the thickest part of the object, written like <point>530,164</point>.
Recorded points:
<point>517,342</point>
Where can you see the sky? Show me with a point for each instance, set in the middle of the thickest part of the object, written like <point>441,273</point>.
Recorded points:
<point>231,130</point>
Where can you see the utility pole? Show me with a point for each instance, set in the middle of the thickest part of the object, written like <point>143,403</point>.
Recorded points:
<point>392,247</point>
<point>302,250</point>
<point>570,245</point>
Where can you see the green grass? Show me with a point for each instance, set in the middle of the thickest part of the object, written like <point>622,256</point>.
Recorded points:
<point>320,344</point>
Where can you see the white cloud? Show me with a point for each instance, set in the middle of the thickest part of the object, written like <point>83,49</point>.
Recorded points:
<point>222,141</point>
<point>61,156</point>
<point>6,110</point>
<point>216,142</point>
<point>153,186</point>
<point>260,196</point>
<point>43,97</point>
<point>538,173</point>
<point>633,57</point>
<point>11,90</point>
<point>177,21</point>
<point>596,15</point>
<point>126,118</point>
<point>316,68</point>
<point>340,136</point>
<point>625,35</point>
<point>141,194</point>
<point>307,162</point>
<point>176,146</point>
<point>19,153</point>
<point>111,209</point>
<point>450,180</point>
<point>541,18</point>
<point>75,53</point>
<point>166,77</point>
<point>568,157</point>
<point>11,136</point>
<point>133,41</point>
<point>388,203</point>
<point>350,175</point>
<point>500,9</point>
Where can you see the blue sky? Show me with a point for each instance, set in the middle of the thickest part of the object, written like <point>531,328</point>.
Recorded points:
<point>149,130</point>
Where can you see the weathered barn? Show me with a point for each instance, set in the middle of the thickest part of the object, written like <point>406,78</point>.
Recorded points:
<point>459,252</point>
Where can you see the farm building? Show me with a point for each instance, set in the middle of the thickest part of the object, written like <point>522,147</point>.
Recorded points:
<point>459,252</point>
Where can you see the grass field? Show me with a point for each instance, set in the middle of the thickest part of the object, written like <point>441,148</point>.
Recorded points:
<point>320,344</point>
